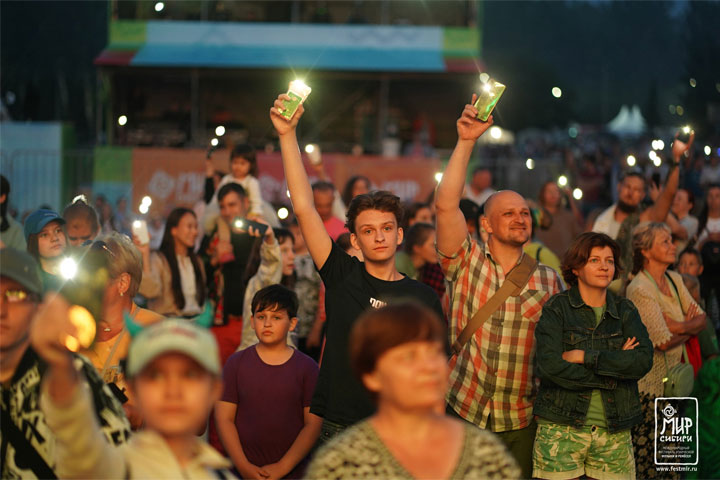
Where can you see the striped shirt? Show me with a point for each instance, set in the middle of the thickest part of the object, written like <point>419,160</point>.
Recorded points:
<point>491,380</point>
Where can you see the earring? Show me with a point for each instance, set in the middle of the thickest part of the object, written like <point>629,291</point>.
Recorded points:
<point>121,294</point>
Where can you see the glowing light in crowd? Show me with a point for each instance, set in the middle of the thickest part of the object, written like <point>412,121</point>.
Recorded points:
<point>298,85</point>
<point>495,132</point>
<point>438,177</point>
<point>686,129</point>
<point>631,160</point>
<point>652,155</point>
<point>556,92</point>
<point>68,268</point>
<point>309,148</point>
<point>282,213</point>
<point>658,144</point>
<point>672,109</point>
<point>680,110</point>
<point>486,87</point>
<point>214,142</point>
<point>122,120</point>
<point>287,192</point>
<point>238,224</point>
<point>159,6</point>
<point>693,83</point>
<point>220,131</point>
<point>530,163</point>
<point>708,150</point>
<point>145,205</point>
<point>484,77</point>
<point>577,194</point>
<point>137,224</point>
<point>572,132</point>
<point>562,181</point>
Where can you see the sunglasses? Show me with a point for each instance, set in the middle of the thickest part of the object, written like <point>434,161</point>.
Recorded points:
<point>16,295</point>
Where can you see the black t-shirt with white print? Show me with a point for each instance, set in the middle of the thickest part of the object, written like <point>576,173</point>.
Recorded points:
<point>349,291</point>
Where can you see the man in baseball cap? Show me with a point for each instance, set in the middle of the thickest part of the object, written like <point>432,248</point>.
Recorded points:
<point>30,453</point>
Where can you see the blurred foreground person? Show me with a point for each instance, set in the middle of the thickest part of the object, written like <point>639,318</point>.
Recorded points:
<point>28,444</point>
<point>564,225</point>
<point>673,319</point>
<point>173,278</point>
<point>82,223</point>
<point>496,296</point>
<point>592,348</point>
<point>47,242</point>
<point>173,372</point>
<point>398,353</point>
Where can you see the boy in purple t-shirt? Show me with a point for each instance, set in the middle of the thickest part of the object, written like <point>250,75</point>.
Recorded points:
<point>263,417</point>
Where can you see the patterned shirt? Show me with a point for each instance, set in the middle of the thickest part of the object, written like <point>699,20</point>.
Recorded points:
<point>491,382</point>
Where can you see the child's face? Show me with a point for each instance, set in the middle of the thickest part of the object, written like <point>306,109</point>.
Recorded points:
<point>174,394</point>
<point>272,326</point>
<point>240,167</point>
<point>689,265</point>
<point>287,254</point>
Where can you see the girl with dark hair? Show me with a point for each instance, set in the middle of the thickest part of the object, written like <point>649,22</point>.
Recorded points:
<point>564,225</point>
<point>356,185</point>
<point>47,241</point>
<point>173,278</point>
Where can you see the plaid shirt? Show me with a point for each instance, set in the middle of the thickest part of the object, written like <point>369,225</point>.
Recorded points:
<point>492,377</point>
<point>432,275</point>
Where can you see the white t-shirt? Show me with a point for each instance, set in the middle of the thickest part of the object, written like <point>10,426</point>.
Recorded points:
<point>189,289</point>
<point>712,226</point>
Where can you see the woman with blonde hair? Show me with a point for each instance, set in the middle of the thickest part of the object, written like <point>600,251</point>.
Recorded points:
<point>124,272</point>
<point>671,317</point>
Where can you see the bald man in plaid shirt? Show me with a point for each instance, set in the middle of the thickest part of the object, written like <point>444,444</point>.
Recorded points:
<point>491,383</point>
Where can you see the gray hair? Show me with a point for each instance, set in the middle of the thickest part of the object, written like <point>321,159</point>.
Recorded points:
<point>127,260</point>
<point>643,237</point>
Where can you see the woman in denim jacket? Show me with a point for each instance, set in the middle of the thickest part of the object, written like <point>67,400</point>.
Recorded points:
<point>592,348</point>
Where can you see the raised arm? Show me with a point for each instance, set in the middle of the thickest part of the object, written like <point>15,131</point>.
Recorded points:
<point>311,225</point>
<point>660,209</point>
<point>451,226</point>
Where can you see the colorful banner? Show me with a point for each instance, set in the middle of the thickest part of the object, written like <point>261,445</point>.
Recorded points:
<point>383,48</point>
<point>175,177</point>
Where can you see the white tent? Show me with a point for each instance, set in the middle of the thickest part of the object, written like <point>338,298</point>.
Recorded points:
<point>628,122</point>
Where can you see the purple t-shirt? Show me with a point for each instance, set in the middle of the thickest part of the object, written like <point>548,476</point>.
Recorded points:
<point>270,400</point>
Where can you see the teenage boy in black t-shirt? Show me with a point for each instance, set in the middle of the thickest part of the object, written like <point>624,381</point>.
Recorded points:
<point>351,286</point>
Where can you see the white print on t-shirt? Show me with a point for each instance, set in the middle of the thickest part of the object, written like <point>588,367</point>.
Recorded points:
<point>377,303</point>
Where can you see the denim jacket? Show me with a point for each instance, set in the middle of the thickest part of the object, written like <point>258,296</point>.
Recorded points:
<point>567,323</point>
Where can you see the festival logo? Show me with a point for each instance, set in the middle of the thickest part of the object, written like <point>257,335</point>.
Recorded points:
<point>676,432</point>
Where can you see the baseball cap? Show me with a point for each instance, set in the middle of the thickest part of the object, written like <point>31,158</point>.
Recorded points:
<point>37,220</point>
<point>173,335</point>
<point>21,267</point>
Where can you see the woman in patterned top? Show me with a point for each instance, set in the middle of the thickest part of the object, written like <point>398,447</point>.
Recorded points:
<point>398,353</point>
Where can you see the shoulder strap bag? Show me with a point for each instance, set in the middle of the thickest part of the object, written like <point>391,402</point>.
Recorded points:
<point>514,283</point>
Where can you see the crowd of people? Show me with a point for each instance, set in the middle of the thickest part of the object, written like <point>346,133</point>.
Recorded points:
<point>478,335</point>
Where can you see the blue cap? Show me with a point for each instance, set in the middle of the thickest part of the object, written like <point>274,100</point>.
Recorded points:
<point>38,219</point>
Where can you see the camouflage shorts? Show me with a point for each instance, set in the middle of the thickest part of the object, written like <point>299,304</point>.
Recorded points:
<point>563,452</point>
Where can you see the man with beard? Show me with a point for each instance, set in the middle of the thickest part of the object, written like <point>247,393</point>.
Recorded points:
<point>491,383</point>
<point>619,220</point>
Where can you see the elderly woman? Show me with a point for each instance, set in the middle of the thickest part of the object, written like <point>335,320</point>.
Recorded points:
<point>397,351</point>
<point>670,315</point>
<point>124,266</point>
